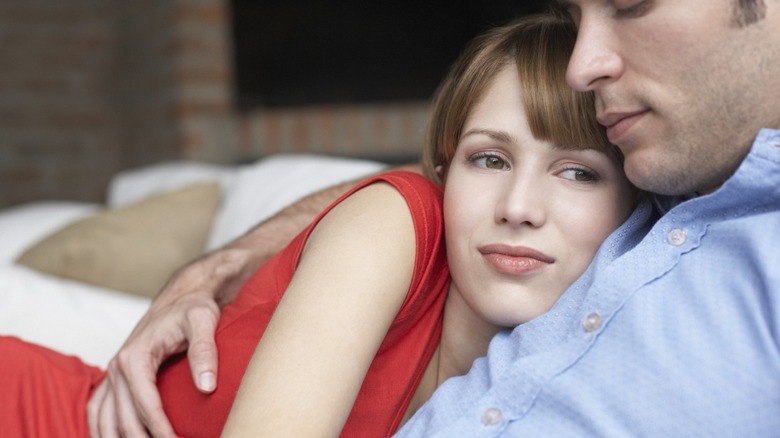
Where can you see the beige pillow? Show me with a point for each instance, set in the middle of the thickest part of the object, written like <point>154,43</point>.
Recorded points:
<point>135,248</point>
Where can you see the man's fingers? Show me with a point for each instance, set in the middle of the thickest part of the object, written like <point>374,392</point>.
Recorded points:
<point>202,350</point>
<point>131,404</point>
<point>127,422</point>
<point>106,425</point>
<point>93,408</point>
<point>138,400</point>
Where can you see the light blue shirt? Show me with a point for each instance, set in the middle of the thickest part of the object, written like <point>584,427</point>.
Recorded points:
<point>674,330</point>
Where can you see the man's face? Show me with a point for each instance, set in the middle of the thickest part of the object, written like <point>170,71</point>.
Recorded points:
<point>681,87</point>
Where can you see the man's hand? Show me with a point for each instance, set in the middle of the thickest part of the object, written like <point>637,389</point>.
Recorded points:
<point>183,318</point>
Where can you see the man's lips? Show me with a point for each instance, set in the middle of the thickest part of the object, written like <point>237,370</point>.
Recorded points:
<point>514,260</point>
<point>618,123</point>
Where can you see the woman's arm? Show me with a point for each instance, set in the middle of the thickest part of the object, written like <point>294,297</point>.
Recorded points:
<point>351,281</point>
<point>184,317</point>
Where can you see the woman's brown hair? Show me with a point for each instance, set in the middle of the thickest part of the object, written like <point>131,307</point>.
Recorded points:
<point>540,47</point>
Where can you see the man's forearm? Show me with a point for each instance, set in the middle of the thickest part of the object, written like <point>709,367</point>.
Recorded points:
<point>272,235</point>
<point>269,237</point>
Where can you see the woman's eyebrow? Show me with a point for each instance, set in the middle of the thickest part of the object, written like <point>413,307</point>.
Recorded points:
<point>505,137</point>
<point>501,136</point>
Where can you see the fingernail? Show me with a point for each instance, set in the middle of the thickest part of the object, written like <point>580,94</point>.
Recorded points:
<point>207,381</point>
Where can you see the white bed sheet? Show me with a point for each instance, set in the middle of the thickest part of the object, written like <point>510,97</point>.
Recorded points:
<point>70,317</point>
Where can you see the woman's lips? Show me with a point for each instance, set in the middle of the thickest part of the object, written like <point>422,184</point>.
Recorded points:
<point>514,260</point>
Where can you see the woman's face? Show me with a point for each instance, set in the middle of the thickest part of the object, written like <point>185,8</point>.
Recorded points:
<point>523,218</point>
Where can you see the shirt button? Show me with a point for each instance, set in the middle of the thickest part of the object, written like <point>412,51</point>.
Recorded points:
<point>677,237</point>
<point>592,322</point>
<point>491,417</point>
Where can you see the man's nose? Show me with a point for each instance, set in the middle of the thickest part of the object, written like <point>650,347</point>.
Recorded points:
<point>595,59</point>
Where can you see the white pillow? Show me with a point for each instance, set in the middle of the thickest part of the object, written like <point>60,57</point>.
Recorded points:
<point>23,226</point>
<point>262,189</point>
<point>67,316</point>
<point>133,185</point>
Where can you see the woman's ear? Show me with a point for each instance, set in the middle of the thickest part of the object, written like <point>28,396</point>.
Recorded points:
<point>441,172</point>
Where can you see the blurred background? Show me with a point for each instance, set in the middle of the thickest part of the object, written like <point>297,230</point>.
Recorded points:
<point>92,87</point>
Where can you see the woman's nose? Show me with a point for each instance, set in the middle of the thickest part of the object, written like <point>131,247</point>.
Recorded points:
<point>521,203</point>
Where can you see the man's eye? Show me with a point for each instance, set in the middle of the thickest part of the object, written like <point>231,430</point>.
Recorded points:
<point>486,161</point>
<point>574,14</point>
<point>632,9</point>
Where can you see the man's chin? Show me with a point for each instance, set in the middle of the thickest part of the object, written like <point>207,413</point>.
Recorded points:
<point>656,178</point>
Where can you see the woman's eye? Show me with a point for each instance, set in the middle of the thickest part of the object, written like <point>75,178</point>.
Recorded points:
<point>486,161</point>
<point>579,174</point>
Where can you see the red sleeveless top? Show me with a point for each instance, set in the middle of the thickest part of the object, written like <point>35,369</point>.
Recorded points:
<point>400,361</point>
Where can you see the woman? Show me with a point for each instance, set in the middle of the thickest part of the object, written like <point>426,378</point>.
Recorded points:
<point>352,327</point>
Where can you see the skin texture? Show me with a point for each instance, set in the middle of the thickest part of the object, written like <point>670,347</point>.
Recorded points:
<point>699,82</point>
<point>507,191</point>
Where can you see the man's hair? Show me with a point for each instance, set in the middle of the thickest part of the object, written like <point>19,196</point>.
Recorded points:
<point>747,12</point>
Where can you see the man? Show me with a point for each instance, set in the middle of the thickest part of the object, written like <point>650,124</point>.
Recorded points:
<point>674,331</point>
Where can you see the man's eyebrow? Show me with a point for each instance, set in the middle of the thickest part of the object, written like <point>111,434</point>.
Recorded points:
<point>560,6</point>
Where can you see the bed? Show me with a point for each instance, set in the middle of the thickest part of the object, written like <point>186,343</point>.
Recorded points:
<point>77,276</point>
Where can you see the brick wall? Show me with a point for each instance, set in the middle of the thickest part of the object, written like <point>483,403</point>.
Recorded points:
<point>58,133</point>
<point>387,132</point>
<point>90,87</point>
<point>146,81</point>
